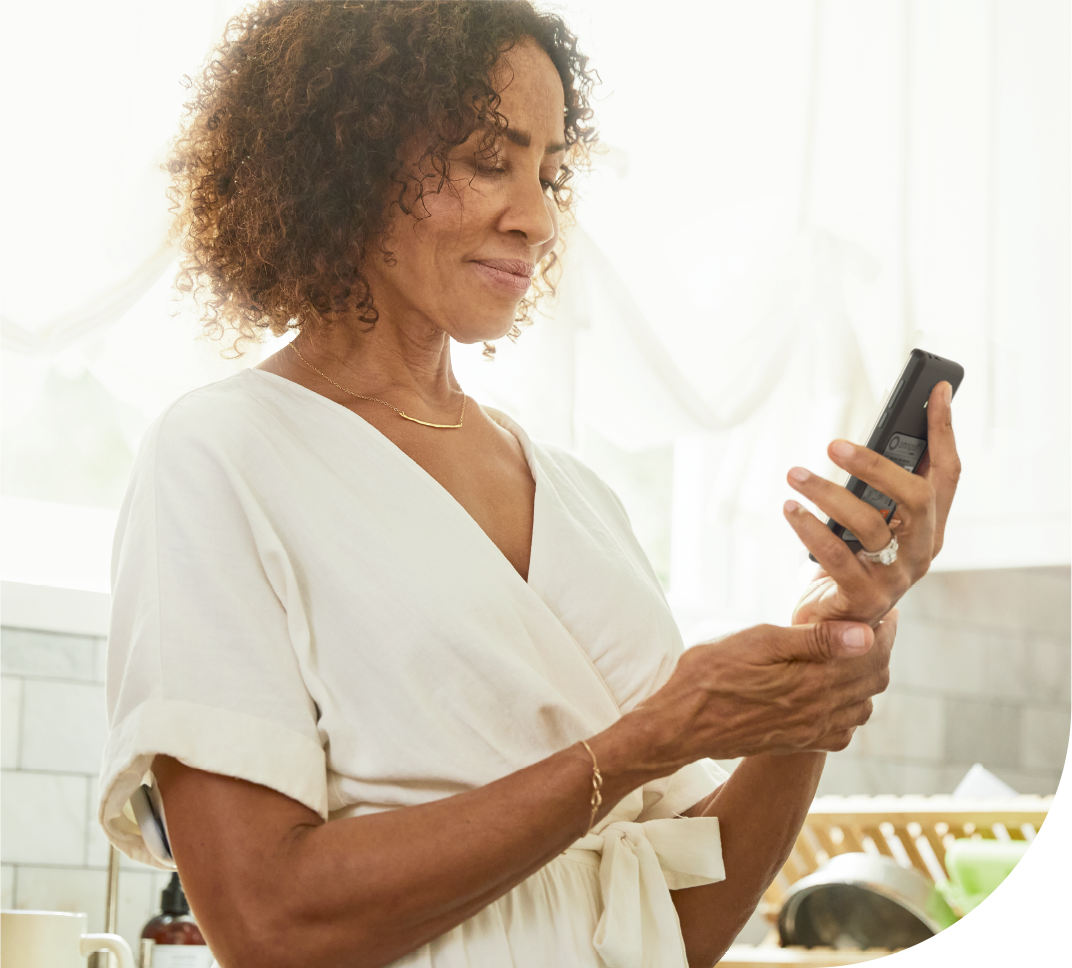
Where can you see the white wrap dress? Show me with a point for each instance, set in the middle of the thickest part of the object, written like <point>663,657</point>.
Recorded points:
<point>297,603</point>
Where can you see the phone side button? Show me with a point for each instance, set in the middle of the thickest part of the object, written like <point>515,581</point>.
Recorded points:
<point>882,419</point>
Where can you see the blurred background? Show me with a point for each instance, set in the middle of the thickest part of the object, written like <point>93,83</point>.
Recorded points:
<point>794,194</point>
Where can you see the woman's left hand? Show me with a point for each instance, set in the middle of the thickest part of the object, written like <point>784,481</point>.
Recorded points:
<point>849,586</point>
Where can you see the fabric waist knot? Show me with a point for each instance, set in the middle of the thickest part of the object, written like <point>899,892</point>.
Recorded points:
<point>640,864</point>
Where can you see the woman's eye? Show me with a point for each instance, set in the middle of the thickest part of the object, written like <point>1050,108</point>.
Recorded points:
<point>555,184</point>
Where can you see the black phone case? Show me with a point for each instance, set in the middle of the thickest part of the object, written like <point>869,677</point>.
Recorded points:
<point>901,431</point>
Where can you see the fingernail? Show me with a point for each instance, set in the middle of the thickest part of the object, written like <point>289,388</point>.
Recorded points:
<point>854,639</point>
<point>799,475</point>
<point>842,448</point>
<point>791,506</point>
<point>947,393</point>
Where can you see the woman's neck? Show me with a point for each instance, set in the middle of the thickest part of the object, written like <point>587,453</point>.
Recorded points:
<point>400,365</point>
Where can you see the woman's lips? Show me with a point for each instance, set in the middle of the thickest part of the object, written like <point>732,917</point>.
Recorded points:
<point>511,275</point>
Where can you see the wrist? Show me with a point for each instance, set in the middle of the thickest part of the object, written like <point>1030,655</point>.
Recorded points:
<point>627,754</point>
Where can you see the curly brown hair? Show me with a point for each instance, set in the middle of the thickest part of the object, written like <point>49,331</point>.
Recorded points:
<point>289,159</point>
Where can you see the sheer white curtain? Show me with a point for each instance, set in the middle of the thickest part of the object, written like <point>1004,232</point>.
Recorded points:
<point>797,193</point>
<point>92,94</point>
<point>86,263</point>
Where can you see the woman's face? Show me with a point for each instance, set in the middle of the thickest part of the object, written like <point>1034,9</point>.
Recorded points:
<point>466,263</point>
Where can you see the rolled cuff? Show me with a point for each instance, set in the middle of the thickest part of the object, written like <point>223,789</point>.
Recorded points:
<point>204,738</point>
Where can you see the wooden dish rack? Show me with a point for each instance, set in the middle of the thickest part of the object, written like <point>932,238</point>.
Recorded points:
<point>913,830</point>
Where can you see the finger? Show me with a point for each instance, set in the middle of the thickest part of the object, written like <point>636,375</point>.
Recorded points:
<point>885,633</point>
<point>942,468</point>
<point>862,712</point>
<point>837,732</point>
<point>864,521</point>
<point>832,742</point>
<point>819,642</point>
<point>872,670</point>
<point>834,556</point>
<point>907,489</point>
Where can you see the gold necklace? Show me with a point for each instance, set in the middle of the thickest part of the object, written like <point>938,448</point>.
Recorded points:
<point>401,413</point>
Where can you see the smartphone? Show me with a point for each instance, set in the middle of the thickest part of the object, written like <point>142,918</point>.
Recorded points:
<point>901,430</point>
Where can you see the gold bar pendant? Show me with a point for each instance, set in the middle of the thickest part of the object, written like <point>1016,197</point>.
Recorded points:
<point>425,423</point>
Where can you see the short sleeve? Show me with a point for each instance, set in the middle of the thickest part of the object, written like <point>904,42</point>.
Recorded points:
<point>207,627</point>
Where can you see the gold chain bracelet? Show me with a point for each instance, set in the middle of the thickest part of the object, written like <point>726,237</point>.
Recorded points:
<point>597,787</point>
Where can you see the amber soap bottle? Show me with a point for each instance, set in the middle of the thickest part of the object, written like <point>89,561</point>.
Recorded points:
<point>172,939</point>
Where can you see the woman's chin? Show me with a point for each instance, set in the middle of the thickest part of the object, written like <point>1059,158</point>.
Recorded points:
<point>481,334</point>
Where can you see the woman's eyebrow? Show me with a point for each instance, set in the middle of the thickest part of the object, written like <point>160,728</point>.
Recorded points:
<point>523,139</point>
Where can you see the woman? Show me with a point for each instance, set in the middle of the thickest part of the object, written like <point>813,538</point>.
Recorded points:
<point>406,682</point>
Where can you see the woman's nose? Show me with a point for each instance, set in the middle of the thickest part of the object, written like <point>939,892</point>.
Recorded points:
<point>530,211</point>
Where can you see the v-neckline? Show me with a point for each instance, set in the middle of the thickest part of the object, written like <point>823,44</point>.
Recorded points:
<point>500,418</point>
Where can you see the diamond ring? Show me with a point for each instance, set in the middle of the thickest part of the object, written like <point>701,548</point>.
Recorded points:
<point>887,556</point>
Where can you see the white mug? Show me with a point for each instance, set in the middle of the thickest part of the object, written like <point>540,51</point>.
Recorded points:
<point>54,939</point>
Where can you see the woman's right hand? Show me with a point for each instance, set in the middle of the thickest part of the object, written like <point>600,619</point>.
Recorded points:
<point>766,689</point>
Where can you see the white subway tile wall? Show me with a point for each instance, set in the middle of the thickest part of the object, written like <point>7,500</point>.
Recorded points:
<point>7,885</point>
<point>64,726</point>
<point>978,729</point>
<point>10,722</point>
<point>1050,669</point>
<point>43,818</point>
<point>903,725</point>
<point>949,660</point>
<point>71,888</point>
<point>48,655</point>
<point>980,672</point>
<point>1043,738</point>
<point>54,854</point>
<point>96,842</point>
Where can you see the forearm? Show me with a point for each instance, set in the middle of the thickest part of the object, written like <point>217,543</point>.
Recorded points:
<point>404,877</point>
<point>363,891</point>
<point>760,810</point>
<point>272,884</point>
